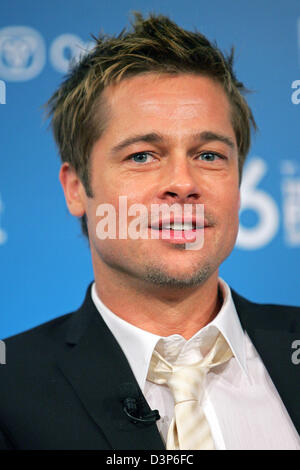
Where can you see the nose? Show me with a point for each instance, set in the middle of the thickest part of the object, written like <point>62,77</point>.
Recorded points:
<point>179,182</point>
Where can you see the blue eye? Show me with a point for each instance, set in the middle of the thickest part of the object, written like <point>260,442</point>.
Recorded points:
<point>210,156</point>
<point>140,157</point>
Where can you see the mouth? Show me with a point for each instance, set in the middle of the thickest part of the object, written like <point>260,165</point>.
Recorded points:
<point>178,231</point>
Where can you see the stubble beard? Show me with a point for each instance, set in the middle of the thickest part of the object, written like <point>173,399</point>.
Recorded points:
<point>156,274</point>
<point>160,277</point>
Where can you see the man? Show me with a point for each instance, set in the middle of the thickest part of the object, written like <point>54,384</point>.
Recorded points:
<point>155,116</point>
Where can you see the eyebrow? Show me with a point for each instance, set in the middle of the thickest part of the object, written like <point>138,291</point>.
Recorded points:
<point>154,138</point>
<point>209,136</point>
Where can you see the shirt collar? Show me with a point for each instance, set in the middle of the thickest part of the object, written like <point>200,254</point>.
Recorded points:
<point>228,323</point>
<point>138,344</point>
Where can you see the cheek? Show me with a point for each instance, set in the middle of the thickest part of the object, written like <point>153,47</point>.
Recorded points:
<point>111,186</point>
<point>233,218</point>
<point>227,208</point>
<point>233,210</point>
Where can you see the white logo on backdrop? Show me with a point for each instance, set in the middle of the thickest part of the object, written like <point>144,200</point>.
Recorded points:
<point>262,204</point>
<point>2,92</point>
<point>22,53</point>
<point>65,48</point>
<point>267,209</point>
<point>3,235</point>
<point>290,189</point>
<point>295,97</point>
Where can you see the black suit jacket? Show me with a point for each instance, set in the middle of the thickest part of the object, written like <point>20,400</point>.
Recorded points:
<point>60,386</point>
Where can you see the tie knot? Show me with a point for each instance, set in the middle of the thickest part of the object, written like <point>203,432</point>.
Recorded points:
<point>186,382</point>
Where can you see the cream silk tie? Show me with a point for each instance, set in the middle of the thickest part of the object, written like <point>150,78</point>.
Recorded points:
<point>189,429</point>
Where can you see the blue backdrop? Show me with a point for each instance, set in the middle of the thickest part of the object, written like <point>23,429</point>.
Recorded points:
<point>45,261</point>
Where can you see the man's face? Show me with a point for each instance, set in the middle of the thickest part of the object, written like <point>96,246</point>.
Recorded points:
<point>169,139</point>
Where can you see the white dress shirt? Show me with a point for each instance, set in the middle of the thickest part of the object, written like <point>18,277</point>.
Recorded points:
<point>240,401</point>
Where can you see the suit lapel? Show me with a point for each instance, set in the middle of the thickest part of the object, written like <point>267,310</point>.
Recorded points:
<point>275,348</point>
<point>96,366</point>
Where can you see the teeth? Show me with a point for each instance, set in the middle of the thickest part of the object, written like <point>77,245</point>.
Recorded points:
<point>178,226</point>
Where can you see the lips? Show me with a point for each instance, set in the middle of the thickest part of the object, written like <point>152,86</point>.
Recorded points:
<point>178,230</point>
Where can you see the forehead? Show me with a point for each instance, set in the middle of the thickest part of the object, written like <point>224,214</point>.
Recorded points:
<point>178,103</point>
<point>150,88</point>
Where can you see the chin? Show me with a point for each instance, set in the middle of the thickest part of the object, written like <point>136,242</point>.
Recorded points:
<point>166,278</point>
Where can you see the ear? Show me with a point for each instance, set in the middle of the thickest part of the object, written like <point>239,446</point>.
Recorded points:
<point>73,190</point>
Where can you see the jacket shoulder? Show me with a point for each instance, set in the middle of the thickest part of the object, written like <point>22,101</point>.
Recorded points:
<point>54,328</point>
<point>267,315</point>
<point>35,348</point>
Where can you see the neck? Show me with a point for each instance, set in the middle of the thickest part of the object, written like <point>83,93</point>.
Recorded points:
<point>160,310</point>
